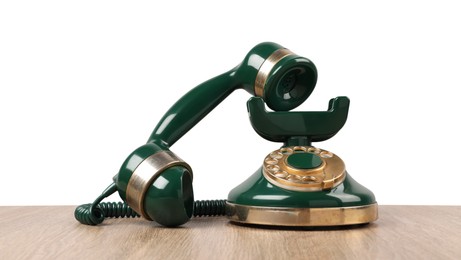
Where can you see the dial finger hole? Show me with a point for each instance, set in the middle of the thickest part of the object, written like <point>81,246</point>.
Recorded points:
<point>313,150</point>
<point>326,154</point>
<point>270,161</point>
<point>281,174</point>
<point>276,155</point>
<point>293,177</point>
<point>286,150</point>
<point>309,179</point>
<point>299,149</point>
<point>273,168</point>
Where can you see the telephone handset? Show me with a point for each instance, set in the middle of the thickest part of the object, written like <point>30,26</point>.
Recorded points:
<point>297,185</point>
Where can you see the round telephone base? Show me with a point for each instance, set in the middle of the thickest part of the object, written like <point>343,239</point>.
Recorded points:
<point>258,201</point>
<point>302,217</point>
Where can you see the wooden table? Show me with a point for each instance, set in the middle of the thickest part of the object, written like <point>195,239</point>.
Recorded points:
<point>402,232</point>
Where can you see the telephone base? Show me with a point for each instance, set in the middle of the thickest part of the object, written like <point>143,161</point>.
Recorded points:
<point>302,217</point>
<point>258,201</point>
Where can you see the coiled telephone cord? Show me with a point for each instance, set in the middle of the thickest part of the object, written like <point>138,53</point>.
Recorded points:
<point>95,213</point>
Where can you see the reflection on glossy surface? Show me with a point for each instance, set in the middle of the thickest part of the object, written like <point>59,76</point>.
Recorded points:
<point>255,61</point>
<point>270,197</point>
<point>160,183</point>
<point>164,124</point>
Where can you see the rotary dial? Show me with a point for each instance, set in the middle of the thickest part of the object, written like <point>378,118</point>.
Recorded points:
<point>304,168</point>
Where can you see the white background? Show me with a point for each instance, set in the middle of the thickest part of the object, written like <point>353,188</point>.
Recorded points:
<point>83,83</point>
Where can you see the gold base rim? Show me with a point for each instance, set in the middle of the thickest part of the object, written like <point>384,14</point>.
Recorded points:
<point>302,217</point>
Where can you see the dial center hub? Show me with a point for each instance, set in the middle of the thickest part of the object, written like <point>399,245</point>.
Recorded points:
<point>304,161</point>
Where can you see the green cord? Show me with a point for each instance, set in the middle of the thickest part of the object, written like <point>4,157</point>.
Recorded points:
<point>95,213</point>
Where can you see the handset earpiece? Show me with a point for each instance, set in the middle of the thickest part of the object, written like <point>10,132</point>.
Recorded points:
<point>284,80</point>
<point>155,182</point>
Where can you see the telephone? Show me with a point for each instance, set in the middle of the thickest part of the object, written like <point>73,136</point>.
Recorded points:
<point>297,184</point>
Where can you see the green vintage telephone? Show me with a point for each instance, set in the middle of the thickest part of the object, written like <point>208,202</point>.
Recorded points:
<point>297,185</point>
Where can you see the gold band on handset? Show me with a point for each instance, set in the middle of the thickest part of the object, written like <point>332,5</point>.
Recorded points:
<point>146,173</point>
<point>266,68</point>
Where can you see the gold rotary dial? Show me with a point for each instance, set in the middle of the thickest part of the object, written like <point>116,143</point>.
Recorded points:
<point>304,168</point>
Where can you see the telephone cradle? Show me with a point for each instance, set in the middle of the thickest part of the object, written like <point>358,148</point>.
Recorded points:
<point>297,185</point>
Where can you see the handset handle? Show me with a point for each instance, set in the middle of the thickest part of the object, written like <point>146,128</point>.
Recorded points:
<point>193,107</point>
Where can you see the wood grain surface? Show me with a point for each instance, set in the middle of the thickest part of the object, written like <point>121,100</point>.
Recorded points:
<point>402,232</point>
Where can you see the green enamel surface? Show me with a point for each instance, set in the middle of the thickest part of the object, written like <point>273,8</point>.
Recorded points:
<point>288,127</point>
<point>304,161</point>
<point>257,191</point>
<point>192,107</point>
<point>169,200</point>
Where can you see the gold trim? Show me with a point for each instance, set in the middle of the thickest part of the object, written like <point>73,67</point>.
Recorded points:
<point>279,216</point>
<point>145,174</point>
<point>328,175</point>
<point>266,67</point>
